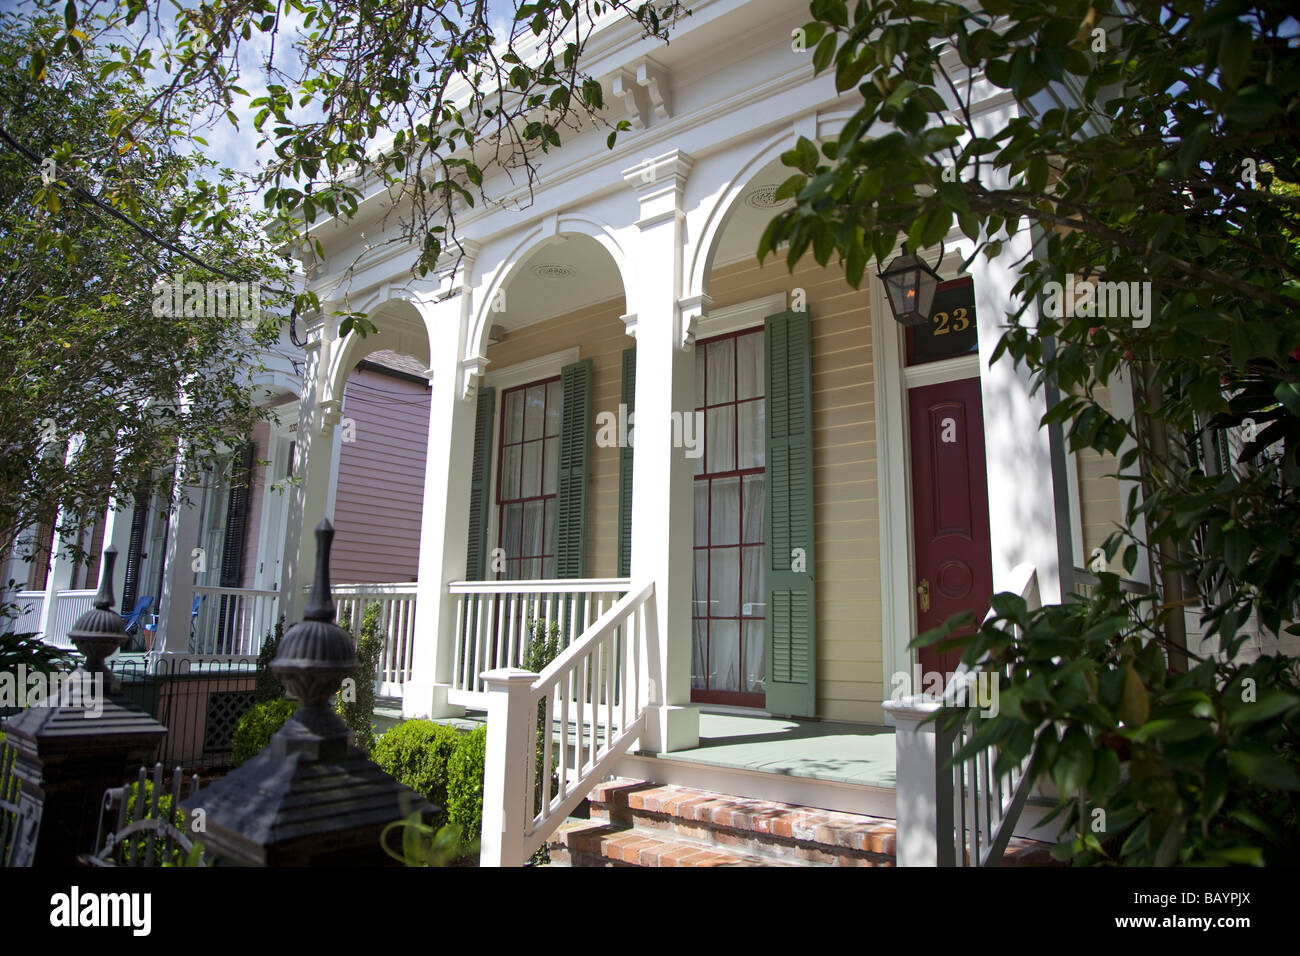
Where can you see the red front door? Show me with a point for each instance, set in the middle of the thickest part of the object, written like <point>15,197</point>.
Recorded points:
<point>950,509</point>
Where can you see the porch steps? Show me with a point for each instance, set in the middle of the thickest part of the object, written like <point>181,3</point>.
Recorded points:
<point>638,823</point>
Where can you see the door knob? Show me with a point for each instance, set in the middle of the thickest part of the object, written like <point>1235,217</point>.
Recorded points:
<point>923,595</point>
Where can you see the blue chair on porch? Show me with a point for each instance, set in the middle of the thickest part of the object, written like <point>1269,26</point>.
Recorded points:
<point>131,623</point>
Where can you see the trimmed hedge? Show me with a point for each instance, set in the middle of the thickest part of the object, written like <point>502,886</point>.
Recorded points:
<point>465,787</point>
<point>254,730</point>
<point>417,753</point>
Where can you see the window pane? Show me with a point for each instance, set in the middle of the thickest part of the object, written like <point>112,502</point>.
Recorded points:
<point>510,472</point>
<point>532,478</point>
<point>532,544</point>
<point>699,653</point>
<point>548,568</point>
<point>510,529</point>
<point>751,449</point>
<point>724,514</point>
<point>553,406</point>
<point>551,466</point>
<point>755,504</point>
<point>699,375</point>
<point>755,664</point>
<point>753,598</point>
<point>534,406</point>
<point>749,361</point>
<point>724,655</point>
<point>721,359</point>
<point>514,416</point>
<point>724,582</point>
<point>720,434</point>
<point>701,512</point>
<point>701,584</point>
<point>548,539</point>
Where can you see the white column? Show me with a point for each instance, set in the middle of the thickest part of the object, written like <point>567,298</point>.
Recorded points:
<point>184,528</point>
<point>117,534</point>
<point>1022,503</point>
<point>663,477</point>
<point>444,526</point>
<point>62,564</point>
<point>309,501</point>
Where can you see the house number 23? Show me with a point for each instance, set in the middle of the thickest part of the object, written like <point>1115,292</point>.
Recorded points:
<point>960,321</point>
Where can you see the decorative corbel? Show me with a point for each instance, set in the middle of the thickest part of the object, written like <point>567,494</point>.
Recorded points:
<point>629,323</point>
<point>626,86</point>
<point>689,311</point>
<point>331,413</point>
<point>653,78</point>
<point>471,369</point>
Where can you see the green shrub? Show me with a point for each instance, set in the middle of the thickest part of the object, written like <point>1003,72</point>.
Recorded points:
<point>417,752</point>
<point>254,730</point>
<point>355,703</point>
<point>267,686</point>
<point>136,848</point>
<point>465,788</point>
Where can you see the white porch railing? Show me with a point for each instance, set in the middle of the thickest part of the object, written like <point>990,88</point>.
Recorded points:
<point>68,606</point>
<point>232,621</point>
<point>964,814</point>
<point>566,726</point>
<point>28,621</point>
<point>396,619</point>
<point>492,623</point>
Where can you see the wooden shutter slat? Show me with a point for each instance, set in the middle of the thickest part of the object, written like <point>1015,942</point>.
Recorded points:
<point>575,453</point>
<point>480,486</point>
<point>236,531</point>
<point>628,398</point>
<point>791,594</point>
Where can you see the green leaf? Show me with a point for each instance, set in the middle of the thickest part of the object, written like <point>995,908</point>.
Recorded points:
<point>1265,768</point>
<point>1074,762</point>
<point>1134,702</point>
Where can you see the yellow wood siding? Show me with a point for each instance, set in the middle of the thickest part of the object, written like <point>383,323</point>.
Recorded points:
<point>600,336</point>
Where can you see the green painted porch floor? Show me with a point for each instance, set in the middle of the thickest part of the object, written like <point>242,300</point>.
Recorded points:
<point>861,754</point>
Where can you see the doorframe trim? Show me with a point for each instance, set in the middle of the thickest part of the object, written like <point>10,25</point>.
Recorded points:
<point>893,380</point>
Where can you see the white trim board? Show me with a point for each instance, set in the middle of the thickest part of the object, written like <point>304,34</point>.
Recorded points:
<point>743,315</point>
<point>521,373</point>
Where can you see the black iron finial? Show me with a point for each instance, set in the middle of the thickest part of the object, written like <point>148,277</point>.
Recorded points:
<point>316,654</point>
<point>321,607</point>
<point>100,631</point>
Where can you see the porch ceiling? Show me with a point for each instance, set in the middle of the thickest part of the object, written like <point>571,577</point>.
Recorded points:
<point>562,276</point>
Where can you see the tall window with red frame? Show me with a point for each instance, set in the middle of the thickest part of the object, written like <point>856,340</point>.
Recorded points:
<point>729,612</point>
<point>527,477</point>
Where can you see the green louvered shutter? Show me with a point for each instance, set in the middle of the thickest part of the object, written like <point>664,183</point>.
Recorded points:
<point>575,452</point>
<point>628,398</point>
<point>791,597</point>
<point>480,497</point>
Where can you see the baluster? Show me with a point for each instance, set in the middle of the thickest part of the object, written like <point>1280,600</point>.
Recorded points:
<point>549,759</point>
<point>611,657</point>
<point>565,687</point>
<point>488,614</point>
<point>462,634</point>
<point>580,674</point>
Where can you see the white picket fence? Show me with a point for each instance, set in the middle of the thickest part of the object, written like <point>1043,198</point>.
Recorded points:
<point>396,620</point>
<point>495,622</point>
<point>232,621</point>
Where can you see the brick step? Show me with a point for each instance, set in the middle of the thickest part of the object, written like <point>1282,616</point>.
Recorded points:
<point>675,822</point>
<point>774,833</point>
<point>589,843</point>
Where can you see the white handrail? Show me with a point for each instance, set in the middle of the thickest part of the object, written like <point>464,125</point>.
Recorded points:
<point>397,602</point>
<point>592,697</point>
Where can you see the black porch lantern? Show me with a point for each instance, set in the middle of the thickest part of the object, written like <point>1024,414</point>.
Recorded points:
<point>910,284</point>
